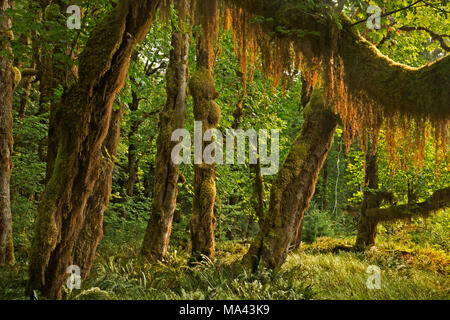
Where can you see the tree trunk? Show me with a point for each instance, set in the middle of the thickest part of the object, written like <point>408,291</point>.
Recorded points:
<point>294,187</point>
<point>132,149</point>
<point>367,226</point>
<point>8,81</point>
<point>26,96</point>
<point>92,232</point>
<point>51,73</point>
<point>258,189</point>
<point>324,201</point>
<point>159,228</point>
<point>83,119</point>
<point>47,82</point>
<point>297,237</point>
<point>203,90</point>
<point>27,79</point>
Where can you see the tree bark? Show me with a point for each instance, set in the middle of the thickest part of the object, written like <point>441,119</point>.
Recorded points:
<point>202,88</point>
<point>92,232</point>
<point>297,237</point>
<point>132,149</point>
<point>51,73</point>
<point>173,117</point>
<point>258,189</point>
<point>367,227</point>
<point>83,119</point>
<point>26,96</point>
<point>8,82</point>
<point>294,187</point>
<point>324,201</point>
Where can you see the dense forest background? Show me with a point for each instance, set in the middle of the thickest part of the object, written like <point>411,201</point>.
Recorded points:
<point>412,250</point>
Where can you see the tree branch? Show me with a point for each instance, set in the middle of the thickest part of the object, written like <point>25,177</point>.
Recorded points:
<point>439,200</point>
<point>392,12</point>
<point>434,36</point>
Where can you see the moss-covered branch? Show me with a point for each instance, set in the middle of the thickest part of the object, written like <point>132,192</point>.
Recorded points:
<point>369,77</point>
<point>396,88</point>
<point>439,200</point>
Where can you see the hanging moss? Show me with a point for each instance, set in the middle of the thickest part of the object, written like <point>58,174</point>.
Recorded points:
<point>368,90</point>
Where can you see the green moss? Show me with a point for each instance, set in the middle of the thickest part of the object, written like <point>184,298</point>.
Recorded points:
<point>103,43</point>
<point>17,76</point>
<point>10,35</point>
<point>202,85</point>
<point>208,191</point>
<point>213,114</point>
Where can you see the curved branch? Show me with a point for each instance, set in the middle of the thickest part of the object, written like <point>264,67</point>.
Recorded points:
<point>439,200</point>
<point>369,76</point>
<point>396,88</point>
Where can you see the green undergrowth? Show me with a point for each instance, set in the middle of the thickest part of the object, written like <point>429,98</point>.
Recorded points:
<point>325,269</point>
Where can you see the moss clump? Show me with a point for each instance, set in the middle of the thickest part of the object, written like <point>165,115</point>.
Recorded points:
<point>202,85</point>
<point>17,76</point>
<point>207,192</point>
<point>10,35</point>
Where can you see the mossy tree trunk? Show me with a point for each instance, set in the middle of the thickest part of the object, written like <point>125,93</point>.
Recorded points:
<point>324,199</point>
<point>83,120</point>
<point>51,73</point>
<point>294,187</point>
<point>203,90</point>
<point>367,226</point>
<point>173,117</point>
<point>28,83</point>
<point>258,190</point>
<point>92,232</point>
<point>8,82</point>
<point>45,66</point>
<point>27,79</point>
<point>255,169</point>
<point>132,148</point>
<point>297,237</point>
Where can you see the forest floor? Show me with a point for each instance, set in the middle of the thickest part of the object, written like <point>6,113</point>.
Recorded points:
<point>326,269</point>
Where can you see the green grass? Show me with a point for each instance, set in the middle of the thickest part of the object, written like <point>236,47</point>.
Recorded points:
<point>342,276</point>
<point>326,269</point>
